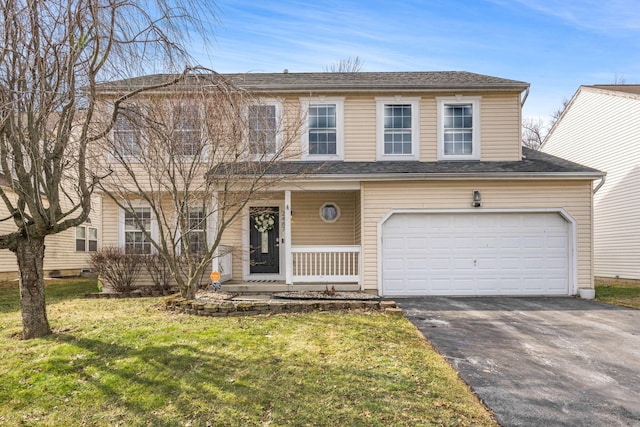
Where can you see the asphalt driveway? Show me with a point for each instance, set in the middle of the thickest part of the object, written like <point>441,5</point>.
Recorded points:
<point>540,361</point>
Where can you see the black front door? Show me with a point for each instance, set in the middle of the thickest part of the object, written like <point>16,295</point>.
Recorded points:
<point>264,239</point>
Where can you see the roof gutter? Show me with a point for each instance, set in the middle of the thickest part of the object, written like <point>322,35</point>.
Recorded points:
<point>441,176</point>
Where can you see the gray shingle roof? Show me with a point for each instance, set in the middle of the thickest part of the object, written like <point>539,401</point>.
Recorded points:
<point>534,162</point>
<point>344,82</point>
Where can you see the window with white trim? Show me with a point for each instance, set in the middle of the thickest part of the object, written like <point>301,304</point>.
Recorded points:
<point>323,138</point>
<point>398,121</point>
<point>195,236</point>
<point>127,137</point>
<point>86,239</point>
<point>459,128</point>
<point>135,240</point>
<point>263,134</point>
<point>187,132</point>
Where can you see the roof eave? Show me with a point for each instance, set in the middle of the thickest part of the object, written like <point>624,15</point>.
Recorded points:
<point>445,176</point>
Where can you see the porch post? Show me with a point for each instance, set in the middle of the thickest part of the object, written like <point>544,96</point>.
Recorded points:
<point>212,230</point>
<point>288,274</point>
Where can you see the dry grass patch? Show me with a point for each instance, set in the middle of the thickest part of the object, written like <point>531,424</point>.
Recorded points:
<point>125,362</point>
<point>623,295</point>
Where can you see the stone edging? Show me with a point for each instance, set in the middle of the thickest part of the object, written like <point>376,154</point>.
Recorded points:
<point>248,308</point>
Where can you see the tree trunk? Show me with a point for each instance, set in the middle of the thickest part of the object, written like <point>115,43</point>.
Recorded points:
<point>30,255</point>
<point>188,291</point>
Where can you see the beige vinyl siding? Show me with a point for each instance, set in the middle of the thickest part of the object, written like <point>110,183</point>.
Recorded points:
<point>60,257</point>
<point>309,229</point>
<point>292,127</point>
<point>360,129</point>
<point>601,129</point>
<point>500,127</point>
<point>380,198</point>
<point>428,129</point>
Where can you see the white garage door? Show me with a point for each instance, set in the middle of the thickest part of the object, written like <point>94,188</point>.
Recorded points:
<point>475,254</point>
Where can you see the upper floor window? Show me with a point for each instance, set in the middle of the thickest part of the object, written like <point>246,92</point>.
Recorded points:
<point>398,128</point>
<point>86,239</point>
<point>264,135</point>
<point>459,128</point>
<point>323,138</point>
<point>187,130</point>
<point>127,137</point>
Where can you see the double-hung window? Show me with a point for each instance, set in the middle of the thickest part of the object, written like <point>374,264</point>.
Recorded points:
<point>195,236</point>
<point>127,137</point>
<point>263,131</point>
<point>86,239</point>
<point>187,130</point>
<point>398,136</point>
<point>323,138</point>
<point>135,240</point>
<point>459,128</point>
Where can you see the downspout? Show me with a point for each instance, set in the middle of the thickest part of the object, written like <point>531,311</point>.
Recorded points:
<point>600,184</point>
<point>524,99</point>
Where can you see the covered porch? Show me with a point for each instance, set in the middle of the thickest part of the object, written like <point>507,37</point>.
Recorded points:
<point>294,240</point>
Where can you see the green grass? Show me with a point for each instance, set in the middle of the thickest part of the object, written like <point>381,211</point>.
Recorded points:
<point>624,295</point>
<point>127,363</point>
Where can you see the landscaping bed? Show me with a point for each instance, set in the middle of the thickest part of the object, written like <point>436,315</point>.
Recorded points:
<point>218,308</point>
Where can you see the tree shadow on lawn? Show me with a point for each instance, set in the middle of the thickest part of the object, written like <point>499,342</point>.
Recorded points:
<point>152,383</point>
<point>162,383</point>
<point>55,291</point>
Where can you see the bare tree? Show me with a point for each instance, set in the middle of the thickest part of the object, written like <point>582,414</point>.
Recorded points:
<point>52,54</point>
<point>555,116</point>
<point>348,65</point>
<point>533,133</point>
<point>200,151</point>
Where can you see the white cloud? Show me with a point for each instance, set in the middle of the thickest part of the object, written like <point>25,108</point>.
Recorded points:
<point>603,16</point>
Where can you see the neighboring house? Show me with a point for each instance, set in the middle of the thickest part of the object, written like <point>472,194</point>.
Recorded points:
<point>418,185</point>
<point>66,253</point>
<point>600,128</point>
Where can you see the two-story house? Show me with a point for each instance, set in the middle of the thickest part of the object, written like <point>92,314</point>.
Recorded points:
<point>414,183</point>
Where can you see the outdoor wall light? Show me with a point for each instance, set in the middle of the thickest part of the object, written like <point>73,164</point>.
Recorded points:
<point>477,199</point>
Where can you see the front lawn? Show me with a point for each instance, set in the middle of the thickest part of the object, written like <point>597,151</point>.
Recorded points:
<point>126,363</point>
<point>624,295</point>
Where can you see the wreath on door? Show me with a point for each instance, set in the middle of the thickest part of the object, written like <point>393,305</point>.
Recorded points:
<point>264,222</point>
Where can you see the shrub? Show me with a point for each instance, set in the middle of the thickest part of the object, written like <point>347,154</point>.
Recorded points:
<point>159,272</point>
<point>116,267</point>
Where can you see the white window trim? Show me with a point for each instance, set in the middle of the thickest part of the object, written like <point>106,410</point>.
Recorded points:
<point>415,127</point>
<point>279,104</point>
<point>86,239</point>
<point>154,224</point>
<point>460,100</point>
<point>339,103</point>
<point>133,158</point>
<point>204,155</point>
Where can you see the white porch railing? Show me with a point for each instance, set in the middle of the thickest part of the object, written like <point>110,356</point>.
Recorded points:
<point>326,264</point>
<point>225,262</point>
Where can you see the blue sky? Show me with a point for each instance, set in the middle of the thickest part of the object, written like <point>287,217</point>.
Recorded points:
<point>555,45</point>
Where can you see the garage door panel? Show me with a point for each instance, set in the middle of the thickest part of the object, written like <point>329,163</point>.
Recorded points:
<point>476,254</point>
